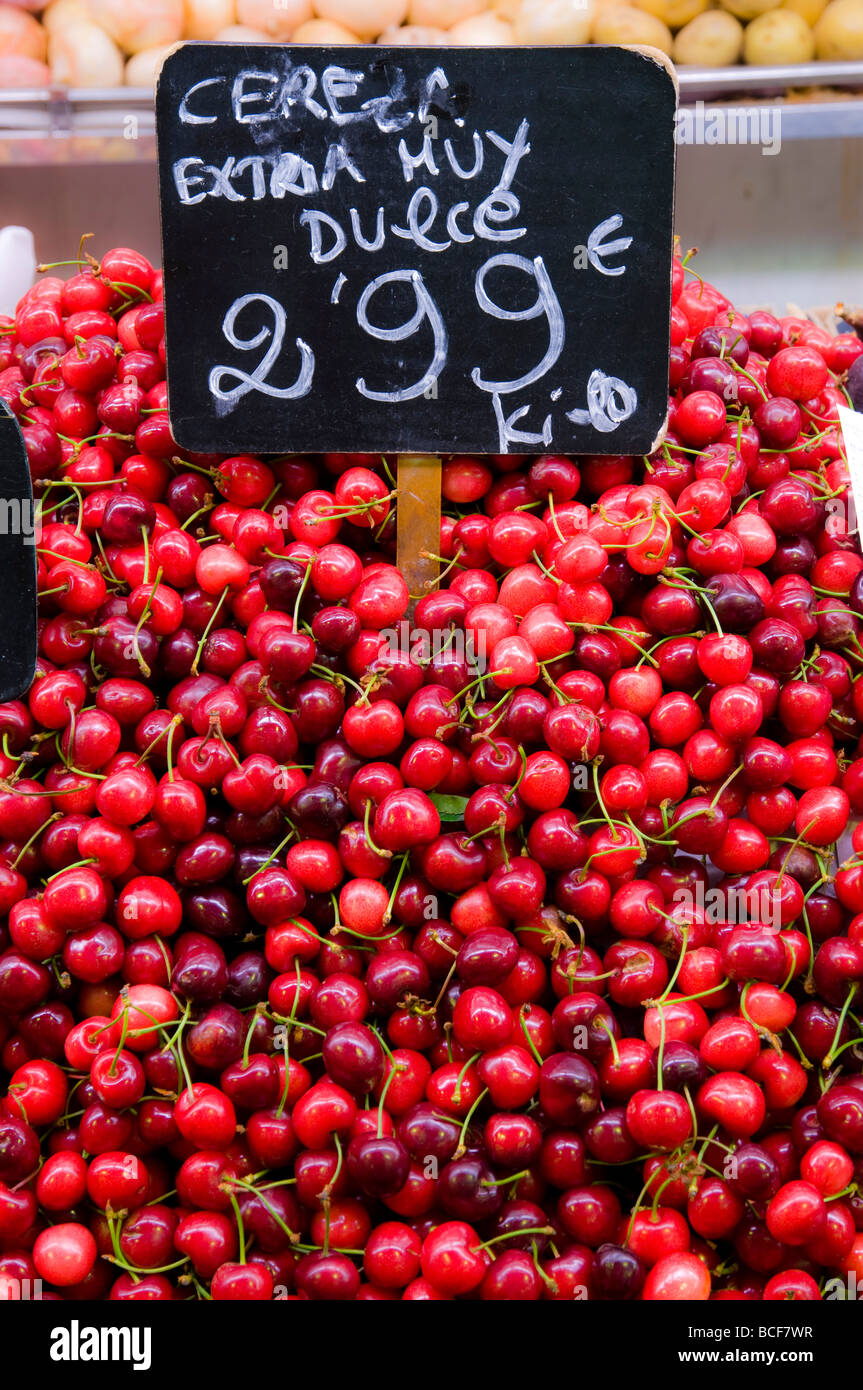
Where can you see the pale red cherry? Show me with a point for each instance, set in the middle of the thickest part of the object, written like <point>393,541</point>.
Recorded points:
<point>513,663</point>
<point>681,1277</point>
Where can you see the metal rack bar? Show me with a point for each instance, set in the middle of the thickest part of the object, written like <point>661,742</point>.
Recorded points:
<point>117,125</point>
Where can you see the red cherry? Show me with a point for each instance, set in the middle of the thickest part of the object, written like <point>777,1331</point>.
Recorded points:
<point>452,1260</point>
<point>733,1101</point>
<point>658,1119</point>
<point>64,1254</point>
<point>680,1276</point>
<point>37,1093</point>
<point>797,1213</point>
<point>205,1116</point>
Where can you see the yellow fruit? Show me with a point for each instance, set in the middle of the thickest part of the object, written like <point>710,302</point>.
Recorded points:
<point>710,40</point>
<point>16,71</point>
<point>21,36</point>
<point>83,55</point>
<point>204,19</point>
<point>674,13</point>
<point>749,9</point>
<point>778,37</point>
<point>554,21</point>
<point>279,21</point>
<point>482,31</point>
<point>626,24</point>
<point>364,17</point>
<point>839,31</point>
<point>443,14</point>
<point>414,36</point>
<point>139,24</point>
<point>241,33</point>
<point>65,12</point>
<point>809,9</point>
<point>324,31</point>
<point>143,68</point>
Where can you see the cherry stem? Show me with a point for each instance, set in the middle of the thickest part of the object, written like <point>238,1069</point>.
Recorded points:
<point>595,773</point>
<point>554,521</point>
<point>205,634</point>
<point>467,1119</point>
<point>79,864</point>
<point>283,1099</point>
<point>546,1278</point>
<point>384,853</point>
<point>275,854</point>
<point>249,1031</point>
<point>804,1060</point>
<point>302,590</point>
<point>208,507</point>
<point>827,1061</point>
<point>705,1145</point>
<point>546,571</point>
<point>603,1023</point>
<point>384,1090</point>
<point>24,848</point>
<point>654,1207</point>
<point>177,719</point>
<point>399,876</point>
<point>837,1051</point>
<point>456,1095</point>
<point>846,1192</point>
<point>240,1229</point>
<point>510,1178</point>
<point>444,987</point>
<point>660,1086</point>
<point>169,747</point>
<point>524,1231</point>
<point>529,1040</point>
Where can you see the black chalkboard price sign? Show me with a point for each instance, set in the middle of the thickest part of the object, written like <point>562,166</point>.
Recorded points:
<point>19,534</point>
<point>416,249</point>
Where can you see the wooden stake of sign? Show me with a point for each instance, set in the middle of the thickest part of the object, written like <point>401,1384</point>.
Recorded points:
<point>418,523</point>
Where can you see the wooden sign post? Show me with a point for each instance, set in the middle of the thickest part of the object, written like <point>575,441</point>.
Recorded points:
<point>416,251</point>
<point>418,532</point>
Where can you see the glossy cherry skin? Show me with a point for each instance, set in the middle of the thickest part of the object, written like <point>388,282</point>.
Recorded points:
<point>681,1276</point>
<point>242,1282</point>
<point>331,1277</point>
<point>618,1274</point>
<point>451,1259</point>
<point>658,1119</point>
<point>734,1101</point>
<point>590,1215</point>
<point>796,1213</point>
<point>64,1254</point>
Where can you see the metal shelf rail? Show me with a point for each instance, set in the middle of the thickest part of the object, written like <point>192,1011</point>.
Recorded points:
<point>61,125</point>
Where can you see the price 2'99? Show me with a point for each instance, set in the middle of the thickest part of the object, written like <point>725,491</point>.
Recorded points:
<point>609,400</point>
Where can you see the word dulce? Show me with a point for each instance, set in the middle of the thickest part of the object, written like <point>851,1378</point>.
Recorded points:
<point>427,209</point>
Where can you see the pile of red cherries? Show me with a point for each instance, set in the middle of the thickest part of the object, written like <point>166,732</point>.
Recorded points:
<point>511,950</point>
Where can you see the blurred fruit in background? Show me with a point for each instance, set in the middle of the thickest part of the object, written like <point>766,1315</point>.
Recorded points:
<point>108,43</point>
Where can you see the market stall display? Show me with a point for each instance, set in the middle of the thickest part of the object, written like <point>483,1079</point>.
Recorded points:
<point>321,945</point>
<point>431,746</point>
